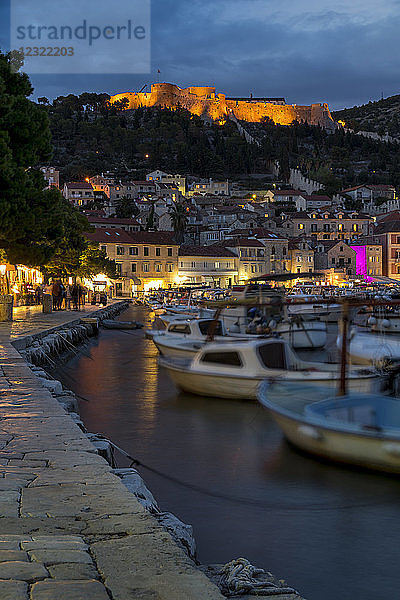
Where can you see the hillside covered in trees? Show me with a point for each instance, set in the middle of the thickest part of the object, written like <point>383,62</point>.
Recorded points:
<point>382,116</point>
<point>90,136</point>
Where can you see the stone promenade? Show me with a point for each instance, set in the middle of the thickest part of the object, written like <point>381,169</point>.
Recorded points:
<point>69,528</point>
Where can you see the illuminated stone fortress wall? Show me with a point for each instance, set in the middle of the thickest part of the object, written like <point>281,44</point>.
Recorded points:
<point>204,102</point>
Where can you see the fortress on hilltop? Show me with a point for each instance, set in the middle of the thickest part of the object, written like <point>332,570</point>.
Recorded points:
<point>206,103</point>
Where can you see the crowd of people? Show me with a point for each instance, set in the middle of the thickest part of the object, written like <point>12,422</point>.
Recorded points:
<point>66,297</point>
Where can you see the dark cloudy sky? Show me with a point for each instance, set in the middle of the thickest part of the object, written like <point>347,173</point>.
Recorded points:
<point>344,52</point>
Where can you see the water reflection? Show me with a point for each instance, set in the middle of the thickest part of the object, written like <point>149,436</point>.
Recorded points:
<point>330,531</point>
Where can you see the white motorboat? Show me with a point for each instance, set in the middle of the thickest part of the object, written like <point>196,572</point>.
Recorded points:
<point>358,429</point>
<point>185,337</point>
<point>372,349</point>
<point>306,305</point>
<point>234,369</point>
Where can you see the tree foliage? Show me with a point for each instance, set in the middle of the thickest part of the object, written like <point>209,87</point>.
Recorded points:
<point>177,213</point>
<point>34,222</point>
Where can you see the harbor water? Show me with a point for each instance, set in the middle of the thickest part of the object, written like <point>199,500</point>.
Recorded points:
<point>329,531</point>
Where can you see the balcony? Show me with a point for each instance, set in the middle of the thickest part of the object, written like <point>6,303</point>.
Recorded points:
<point>205,270</point>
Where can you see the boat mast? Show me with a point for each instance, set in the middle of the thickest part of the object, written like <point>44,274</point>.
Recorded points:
<point>343,358</point>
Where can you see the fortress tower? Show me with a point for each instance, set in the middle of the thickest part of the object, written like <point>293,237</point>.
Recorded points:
<point>206,103</point>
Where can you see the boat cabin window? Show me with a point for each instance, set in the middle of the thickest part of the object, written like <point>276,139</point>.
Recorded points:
<point>179,328</point>
<point>272,355</point>
<point>222,358</point>
<point>205,325</point>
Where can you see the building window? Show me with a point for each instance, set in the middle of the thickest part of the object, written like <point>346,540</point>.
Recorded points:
<point>158,267</point>
<point>300,226</point>
<point>181,265</point>
<point>103,249</point>
<point>133,267</point>
<point>133,251</point>
<point>118,268</point>
<point>158,251</point>
<point>217,265</point>
<point>273,251</point>
<point>169,267</point>
<point>169,251</point>
<point>313,227</point>
<point>120,250</point>
<point>355,227</point>
<point>145,267</point>
<point>145,251</point>
<point>254,268</point>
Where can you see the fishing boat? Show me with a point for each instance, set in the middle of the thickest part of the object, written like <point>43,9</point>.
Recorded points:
<point>234,369</point>
<point>356,428</point>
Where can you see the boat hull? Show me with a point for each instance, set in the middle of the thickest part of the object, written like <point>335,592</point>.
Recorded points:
<point>245,388</point>
<point>366,452</point>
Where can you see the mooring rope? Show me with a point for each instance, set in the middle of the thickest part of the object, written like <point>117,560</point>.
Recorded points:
<point>276,506</point>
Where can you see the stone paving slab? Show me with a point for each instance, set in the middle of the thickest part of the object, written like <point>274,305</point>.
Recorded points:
<point>69,590</point>
<point>13,590</point>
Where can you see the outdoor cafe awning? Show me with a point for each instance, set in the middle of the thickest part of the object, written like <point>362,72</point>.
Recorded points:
<point>386,280</point>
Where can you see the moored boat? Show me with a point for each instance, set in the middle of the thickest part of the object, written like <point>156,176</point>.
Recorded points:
<point>357,428</point>
<point>372,349</point>
<point>234,369</point>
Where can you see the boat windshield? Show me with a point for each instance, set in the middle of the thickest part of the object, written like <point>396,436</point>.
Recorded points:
<point>204,326</point>
<point>231,359</point>
<point>179,328</point>
<point>272,355</point>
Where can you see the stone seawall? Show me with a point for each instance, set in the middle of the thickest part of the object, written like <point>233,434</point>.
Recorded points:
<point>69,527</point>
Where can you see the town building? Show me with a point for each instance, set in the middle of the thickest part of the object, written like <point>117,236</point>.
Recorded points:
<point>301,256</point>
<point>175,181</point>
<point>101,222</point>
<point>368,260</point>
<point>370,193</point>
<point>210,187</point>
<point>145,260</point>
<point>212,265</point>
<point>329,225</point>
<point>336,255</point>
<point>78,193</point>
<point>387,233</point>
<point>52,176</point>
<point>100,182</point>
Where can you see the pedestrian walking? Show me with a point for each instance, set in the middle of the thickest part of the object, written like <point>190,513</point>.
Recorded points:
<point>68,297</point>
<point>75,296</point>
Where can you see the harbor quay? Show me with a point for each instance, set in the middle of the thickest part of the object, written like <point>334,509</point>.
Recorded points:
<point>69,528</point>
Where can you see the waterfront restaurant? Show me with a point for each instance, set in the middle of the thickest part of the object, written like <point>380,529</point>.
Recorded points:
<point>20,282</point>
